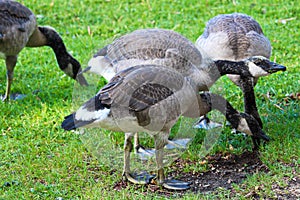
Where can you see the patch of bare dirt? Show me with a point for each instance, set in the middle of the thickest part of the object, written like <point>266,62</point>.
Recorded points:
<point>224,170</point>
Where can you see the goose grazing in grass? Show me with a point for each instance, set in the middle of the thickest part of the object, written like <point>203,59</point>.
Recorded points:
<point>151,98</point>
<point>168,48</point>
<point>18,29</point>
<point>236,37</point>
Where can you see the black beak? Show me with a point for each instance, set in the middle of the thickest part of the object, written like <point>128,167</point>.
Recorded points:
<point>276,67</point>
<point>264,136</point>
<point>81,80</point>
<point>85,70</point>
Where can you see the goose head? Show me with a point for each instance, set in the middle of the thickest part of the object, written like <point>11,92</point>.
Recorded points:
<point>67,63</point>
<point>260,66</point>
<point>72,68</point>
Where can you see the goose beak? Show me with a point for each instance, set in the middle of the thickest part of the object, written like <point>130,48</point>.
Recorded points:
<point>85,70</point>
<point>275,68</point>
<point>264,136</point>
<point>81,80</point>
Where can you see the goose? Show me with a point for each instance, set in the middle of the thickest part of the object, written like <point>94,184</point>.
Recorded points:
<point>236,37</point>
<point>18,29</point>
<point>171,49</point>
<point>150,98</point>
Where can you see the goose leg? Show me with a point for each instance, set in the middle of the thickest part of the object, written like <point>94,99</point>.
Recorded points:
<point>140,178</point>
<point>137,145</point>
<point>146,154</point>
<point>246,85</point>
<point>10,62</point>
<point>160,179</point>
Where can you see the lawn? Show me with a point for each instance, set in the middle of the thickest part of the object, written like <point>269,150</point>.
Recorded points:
<point>38,160</point>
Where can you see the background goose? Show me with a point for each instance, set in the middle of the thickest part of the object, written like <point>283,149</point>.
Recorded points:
<point>150,98</point>
<point>168,48</point>
<point>236,37</point>
<point>18,28</point>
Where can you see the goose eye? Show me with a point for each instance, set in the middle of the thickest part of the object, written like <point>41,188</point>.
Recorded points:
<point>260,62</point>
<point>256,62</point>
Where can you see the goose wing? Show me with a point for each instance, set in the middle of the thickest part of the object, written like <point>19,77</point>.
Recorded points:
<point>12,13</point>
<point>148,95</point>
<point>145,44</point>
<point>140,87</point>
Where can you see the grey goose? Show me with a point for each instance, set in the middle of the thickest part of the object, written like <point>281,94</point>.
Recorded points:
<point>169,48</point>
<point>18,29</point>
<point>150,98</point>
<point>236,37</point>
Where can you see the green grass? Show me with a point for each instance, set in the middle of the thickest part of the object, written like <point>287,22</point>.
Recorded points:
<point>38,160</point>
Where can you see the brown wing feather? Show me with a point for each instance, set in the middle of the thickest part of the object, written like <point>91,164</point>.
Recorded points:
<point>141,89</point>
<point>12,13</point>
<point>102,52</point>
<point>148,95</point>
<point>106,94</point>
<point>150,44</point>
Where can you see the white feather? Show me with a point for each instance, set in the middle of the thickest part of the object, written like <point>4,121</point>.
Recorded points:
<point>85,115</point>
<point>216,45</point>
<point>100,66</point>
<point>256,71</point>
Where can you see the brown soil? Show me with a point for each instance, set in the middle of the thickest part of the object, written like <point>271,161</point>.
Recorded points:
<point>224,170</point>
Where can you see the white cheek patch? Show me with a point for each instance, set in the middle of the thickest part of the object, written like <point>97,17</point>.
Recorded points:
<point>244,127</point>
<point>84,115</point>
<point>69,70</point>
<point>100,66</point>
<point>2,55</point>
<point>256,71</point>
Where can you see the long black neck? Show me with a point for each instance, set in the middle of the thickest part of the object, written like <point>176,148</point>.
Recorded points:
<point>246,84</point>
<point>232,67</point>
<point>217,102</point>
<point>62,56</point>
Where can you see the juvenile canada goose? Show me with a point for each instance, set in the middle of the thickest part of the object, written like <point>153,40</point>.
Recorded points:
<point>150,98</point>
<point>18,29</point>
<point>168,48</point>
<point>236,37</point>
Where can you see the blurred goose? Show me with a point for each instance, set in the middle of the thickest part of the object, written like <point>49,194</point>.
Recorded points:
<point>18,29</point>
<point>169,48</point>
<point>150,98</point>
<point>236,37</point>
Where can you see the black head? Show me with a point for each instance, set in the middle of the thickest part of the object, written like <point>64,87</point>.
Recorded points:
<point>72,68</point>
<point>66,61</point>
<point>261,66</point>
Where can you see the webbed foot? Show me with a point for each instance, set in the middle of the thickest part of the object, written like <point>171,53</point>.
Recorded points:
<point>173,184</point>
<point>141,178</point>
